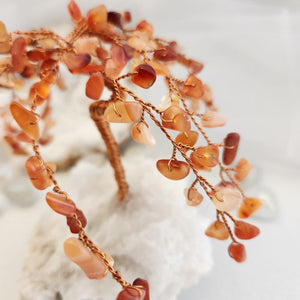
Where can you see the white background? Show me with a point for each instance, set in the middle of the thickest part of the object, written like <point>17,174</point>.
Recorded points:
<point>251,52</point>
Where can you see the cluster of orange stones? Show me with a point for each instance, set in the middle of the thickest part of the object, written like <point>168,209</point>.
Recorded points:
<point>101,47</point>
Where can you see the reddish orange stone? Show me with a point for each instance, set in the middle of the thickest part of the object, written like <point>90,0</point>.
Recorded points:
<point>249,207</point>
<point>145,284</point>
<point>130,293</point>
<point>144,76</point>
<point>115,18</point>
<point>111,70</point>
<point>26,119</point>
<point>226,199</point>
<point>173,169</point>
<point>217,230</point>
<point>30,70</point>
<point>188,138</point>
<point>60,204</point>
<point>193,87</point>
<point>94,86</point>
<point>96,18</point>
<point>123,112</point>
<point>176,118</point>
<point>126,17</point>
<point>90,68</point>
<point>87,45</point>
<point>4,39</point>
<point>37,172</point>
<point>206,156</point>
<point>193,197</point>
<point>242,169</point>
<point>76,61</point>
<point>231,144</point>
<point>119,57</point>
<point>160,69</point>
<point>142,134</point>
<point>36,55</point>
<point>18,54</point>
<point>195,66</point>
<point>74,228</point>
<point>49,70</point>
<point>74,11</point>
<point>102,53</point>
<point>165,54</point>
<point>146,27</point>
<point>40,89</point>
<point>245,231</point>
<point>93,267</point>
<point>237,251</point>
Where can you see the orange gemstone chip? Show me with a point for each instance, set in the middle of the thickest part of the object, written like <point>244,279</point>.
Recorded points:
<point>193,197</point>
<point>242,169</point>
<point>142,134</point>
<point>130,293</point>
<point>144,76</point>
<point>74,228</point>
<point>212,119</point>
<point>18,54</point>
<point>123,112</point>
<point>94,86</point>
<point>176,118</point>
<point>245,231</point>
<point>173,169</point>
<point>60,204</point>
<point>249,207</point>
<point>237,251</point>
<point>217,230</point>
<point>187,138</point>
<point>96,18</point>
<point>226,199</point>
<point>26,119</point>
<point>193,87</point>
<point>144,284</point>
<point>207,156</point>
<point>93,267</point>
<point>231,144</point>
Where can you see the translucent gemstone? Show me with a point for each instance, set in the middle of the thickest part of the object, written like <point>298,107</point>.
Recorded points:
<point>138,40</point>
<point>18,54</point>
<point>74,228</point>
<point>146,27</point>
<point>245,231</point>
<point>37,172</point>
<point>115,18</point>
<point>96,18</point>
<point>207,156</point>
<point>213,119</point>
<point>242,169</point>
<point>226,199</point>
<point>195,66</point>
<point>111,70</point>
<point>231,144</point>
<point>176,118</point>
<point>145,76</point>
<point>60,204</point>
<point>173,169</point>
<point>218,231</point>
<point>87,45</point>
<point>30,70</point>
<point>142,134</point>
<point>237,251</point>
<point>49,70</point>
<point>4,47</point>
<point>37,55</point>
<point>26,119</point>
<point>193,87</point>
<point>94,86</point>
<point>159,68</point>
<point>165,54</point>
<point>93,267</point>
<point>76,61</point>
<point>168,100</point>
<point>102,53</point>
<point>123,112</point>
<point>130,293</point>
<point>145,284</point>
<point>4,39</point>
<point>129,51</point>
<point>119,57</point>
<point>193,197</point>
<point>40,89</point>
<point>88,69</point>
<point>74,11</point>
<point>126,17</point>
<point>249,207</point>
<point>188,138</point>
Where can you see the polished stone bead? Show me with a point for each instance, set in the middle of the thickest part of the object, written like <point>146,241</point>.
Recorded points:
<point>144,76</point>
<point>40,89</point>
<point>123,112</point>
<point>207,156</point>
<point>160,69</point>
<point>145,284</point>
<point>245,231</point>
<point>26,119</point>
<point>74,11</point>
<point>176,118</point>
<point>37,172</point>
<point>165,54</point>
<point>168,100</point>
<point>188,138</point>
<point>87,45</point>
<point>193,87</point>
<point>119,56</point>
<point>102,53</point>
<point>96,18</point>
<point>173,169</point>
<point>138,40</point>
<point>193,197</point>
<point>146,27</point>
<point>130,293</point>
<point>49,70</point>
<point>76,61</point>
<point>37,55</point>
<point>111,70</point>
<point>141,133</point>
<point>249,207</point>
<point>218,231</point>
<point>18,54</point>
<point>94,86</point>
<point>92,266</point>
<point>74,228</point>
<point>226,199</point>
<point>60,204</point>
<point>242,169</point>
<point>237,251</point>
<point>231,144</point>
<point>115,18</point>
<point>212,119</point>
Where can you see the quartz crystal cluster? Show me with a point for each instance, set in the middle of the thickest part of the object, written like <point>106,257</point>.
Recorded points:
<point>100,47</point>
